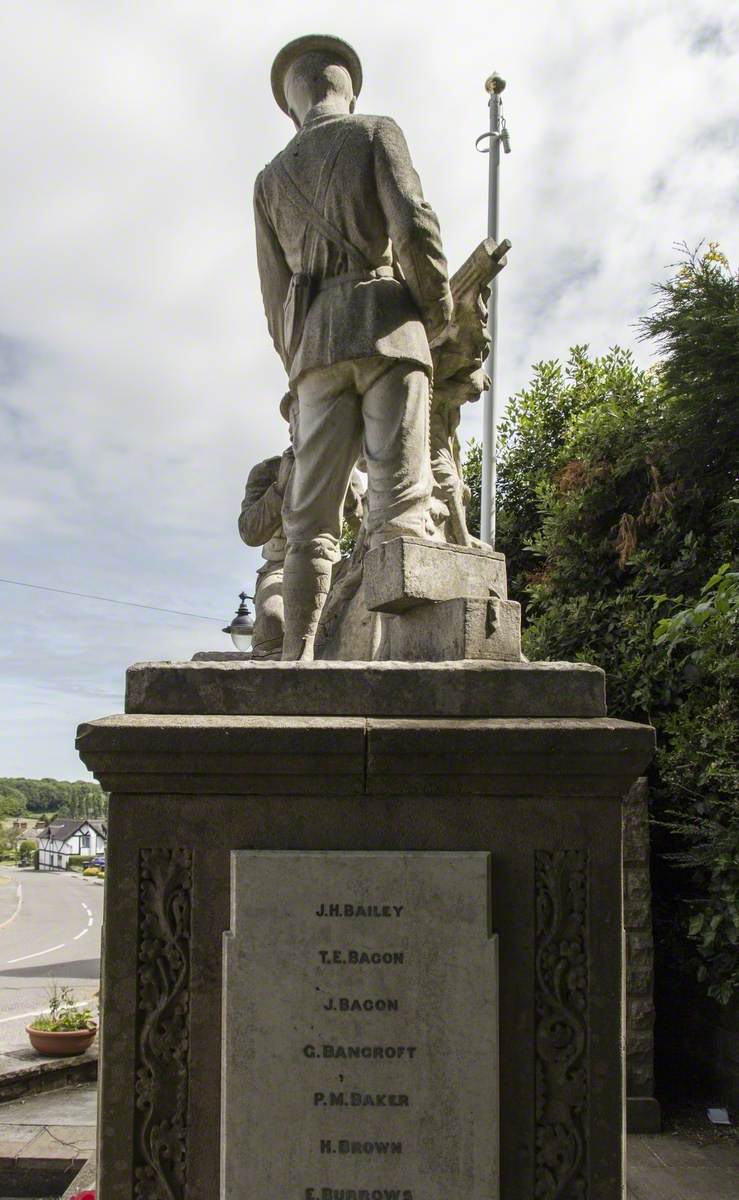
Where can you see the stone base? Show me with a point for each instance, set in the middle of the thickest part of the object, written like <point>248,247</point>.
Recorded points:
<point>481,759</point>
<point>456,629</point>
<point>406,572</point>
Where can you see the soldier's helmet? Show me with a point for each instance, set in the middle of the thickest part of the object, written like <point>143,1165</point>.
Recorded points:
<point>339,50</point>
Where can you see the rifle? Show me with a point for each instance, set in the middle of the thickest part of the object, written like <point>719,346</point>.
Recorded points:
<point>484,263</point>
<point>462,351</point>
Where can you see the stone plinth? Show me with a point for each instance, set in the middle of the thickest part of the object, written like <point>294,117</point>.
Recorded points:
<point>516,761</point>
<point>377,689</point>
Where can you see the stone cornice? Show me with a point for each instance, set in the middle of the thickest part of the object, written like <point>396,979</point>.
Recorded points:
<point>320,756</point>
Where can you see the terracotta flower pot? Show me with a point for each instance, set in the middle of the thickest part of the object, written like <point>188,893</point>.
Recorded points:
<point>61,1042</point>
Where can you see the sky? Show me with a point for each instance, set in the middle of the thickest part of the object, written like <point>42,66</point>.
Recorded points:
<point>137,381</point>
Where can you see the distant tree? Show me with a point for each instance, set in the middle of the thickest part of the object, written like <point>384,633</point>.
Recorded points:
<point>12,802</point>
<point>49,796</point>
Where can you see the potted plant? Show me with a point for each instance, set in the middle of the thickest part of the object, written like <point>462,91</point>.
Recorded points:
<point>67,1028</point>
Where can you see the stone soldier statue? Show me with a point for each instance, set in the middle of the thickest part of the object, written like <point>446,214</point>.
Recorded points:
<point>260,524</point>
<point>355,288</point>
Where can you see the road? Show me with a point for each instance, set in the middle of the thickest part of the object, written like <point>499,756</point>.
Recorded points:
<point>50,925</point>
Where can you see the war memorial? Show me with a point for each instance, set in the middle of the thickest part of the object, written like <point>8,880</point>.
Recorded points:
<point>363,929</point>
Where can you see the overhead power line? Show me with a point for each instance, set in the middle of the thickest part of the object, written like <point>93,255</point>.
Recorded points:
<point>174,612</point>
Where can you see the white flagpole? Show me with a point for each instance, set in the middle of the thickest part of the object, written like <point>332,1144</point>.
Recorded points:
<point>494,85</point>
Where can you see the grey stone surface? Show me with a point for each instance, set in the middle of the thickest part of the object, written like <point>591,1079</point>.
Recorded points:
<point>221,656</point>
<point>84,1181</point>
<point>642,1117</point>
<point>23,1072</point>
<point>456,629</point>
<point>316,755</point>
<point>350,756</point>
<point>636,825</point>
<point>76,1106</point>
<point>561,758</point>
<point>381,689</point>
<point>405,572</point>
<point>542,796</point>
<point>348,631</point>
<point>45,1140</point>
<point>360,1026</point>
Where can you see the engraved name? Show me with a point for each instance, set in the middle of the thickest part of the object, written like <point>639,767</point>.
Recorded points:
<point>327,1193</point>
<point>346,1147</point>
<point>361,957</point>
<point>329,1051</point>
<point>359,910</point>
<point>346,1004</point>
<point>360,1100</point>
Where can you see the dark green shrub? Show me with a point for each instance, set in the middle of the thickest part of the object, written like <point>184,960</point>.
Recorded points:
<point>26,851</point>
<point>699,766</point>
<point>617,495</point>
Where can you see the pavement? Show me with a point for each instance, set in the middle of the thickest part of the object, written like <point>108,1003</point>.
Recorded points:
<point>50,924</point>
<point>25,1073</point>
<point>674,1167</point>
<point>45,1141</point>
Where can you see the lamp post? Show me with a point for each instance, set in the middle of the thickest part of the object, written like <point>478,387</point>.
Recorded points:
<point>495,136</point>
<point>242,626</point>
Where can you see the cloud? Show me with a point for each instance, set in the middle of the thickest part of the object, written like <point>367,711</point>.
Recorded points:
<point>137,381</point>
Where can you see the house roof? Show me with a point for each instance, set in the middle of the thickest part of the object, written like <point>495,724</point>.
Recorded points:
<point>66,827</point>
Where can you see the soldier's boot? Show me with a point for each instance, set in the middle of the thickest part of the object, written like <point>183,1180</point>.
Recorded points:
<point>305,586</point>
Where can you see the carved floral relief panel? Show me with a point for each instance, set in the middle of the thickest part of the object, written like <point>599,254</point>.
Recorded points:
<point>561,1014</point>
<point>162,1024</point>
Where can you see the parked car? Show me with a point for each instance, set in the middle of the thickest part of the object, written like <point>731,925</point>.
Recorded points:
<point>98,861</point>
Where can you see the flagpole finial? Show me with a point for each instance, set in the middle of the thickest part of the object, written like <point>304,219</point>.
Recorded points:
<point>494,84</point>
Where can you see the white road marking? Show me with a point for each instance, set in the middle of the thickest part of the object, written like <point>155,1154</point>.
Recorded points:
<point>51,949</point>
<point>90,922</point>
<point>19,894</point>
<point>41,1011</point>
<point>36,953</point>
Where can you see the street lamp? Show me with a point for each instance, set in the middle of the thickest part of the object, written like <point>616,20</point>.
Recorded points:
<point>242,626</point>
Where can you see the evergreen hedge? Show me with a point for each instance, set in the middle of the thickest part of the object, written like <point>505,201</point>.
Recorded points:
<point>617,512</point>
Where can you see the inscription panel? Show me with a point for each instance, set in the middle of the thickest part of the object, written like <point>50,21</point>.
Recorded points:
<point>360,1056</point>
